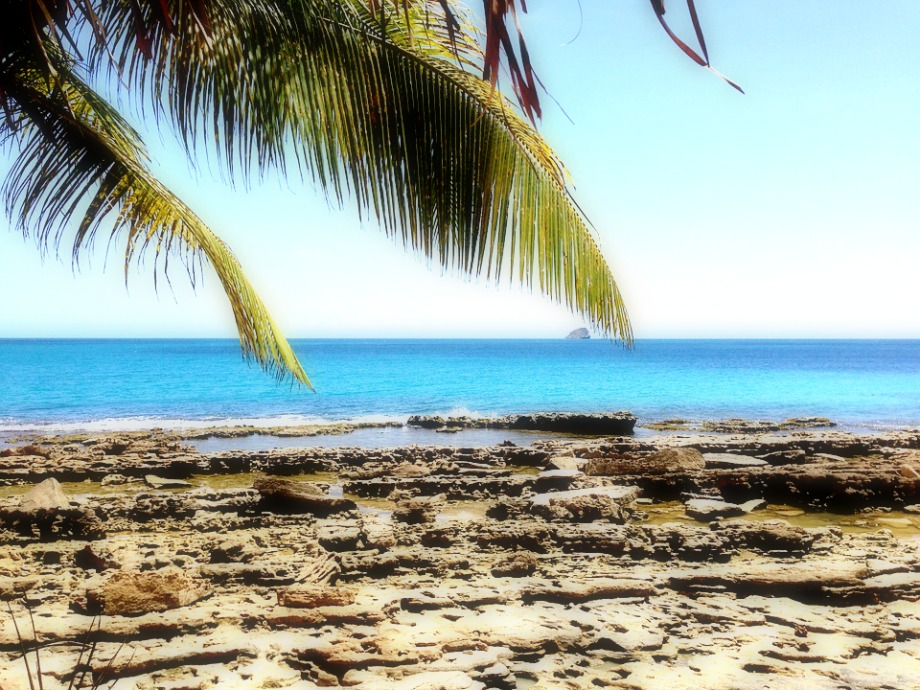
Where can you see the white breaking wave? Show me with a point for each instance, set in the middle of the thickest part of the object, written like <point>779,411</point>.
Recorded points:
<point>113,424</point>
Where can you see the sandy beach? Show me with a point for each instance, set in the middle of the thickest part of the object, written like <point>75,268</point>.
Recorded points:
<point>690,559</point>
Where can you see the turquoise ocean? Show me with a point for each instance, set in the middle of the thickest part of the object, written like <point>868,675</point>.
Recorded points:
<point>60,385</point>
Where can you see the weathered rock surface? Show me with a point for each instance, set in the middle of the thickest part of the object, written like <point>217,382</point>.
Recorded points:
<point>133,593</point>
<point>457,572</point>
<point>609,424</point>
<point>47,495</point>
<point>659,462</point>
<point>286,496</point>
<point>706,509</point>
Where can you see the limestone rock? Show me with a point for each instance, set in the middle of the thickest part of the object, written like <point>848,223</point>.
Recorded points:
<point>620,494</point>
<point>706,509</point>
<point>565,462</point>
<point>315,596</point>
<point>286,496</point>
<point>47,495</point>
<point>517,564</point>
<point>417,511</point>
<point>578,334</point>
<point>584,508</point>
<point>731,461</point>
<point>774,537</point>
<point>156,482</point>
<point>659,462</point>
<point>132,593</point>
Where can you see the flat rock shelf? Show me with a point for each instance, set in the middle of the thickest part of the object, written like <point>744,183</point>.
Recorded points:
<point>692,561</point>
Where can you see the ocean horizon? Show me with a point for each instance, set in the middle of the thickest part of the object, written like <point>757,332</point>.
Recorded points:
<point>63,384</point>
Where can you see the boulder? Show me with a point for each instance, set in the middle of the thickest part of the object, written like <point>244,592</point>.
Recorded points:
<point>47,495</point>
<point>311,596</point>
<point>133,593</point>
<point>46,513</point>
<point>290,497</point>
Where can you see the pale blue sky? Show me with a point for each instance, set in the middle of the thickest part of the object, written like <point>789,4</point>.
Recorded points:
<point>792,211</point>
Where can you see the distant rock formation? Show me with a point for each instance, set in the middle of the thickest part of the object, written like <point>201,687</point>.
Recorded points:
<point>578,334</point>
<point>605,424</point>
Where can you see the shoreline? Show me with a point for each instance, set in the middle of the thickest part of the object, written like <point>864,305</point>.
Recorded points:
<point>683,560</point>
<point>282,428</point>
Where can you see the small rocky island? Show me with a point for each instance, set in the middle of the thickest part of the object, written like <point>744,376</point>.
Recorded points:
<point>694,560</point>
<point>579,334</point>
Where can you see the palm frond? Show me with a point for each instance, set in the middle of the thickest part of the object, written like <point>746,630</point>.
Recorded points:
<point>373,104</point>
<point>77,158</point>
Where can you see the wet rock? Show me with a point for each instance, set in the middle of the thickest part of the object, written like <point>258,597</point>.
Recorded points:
<point>613,424</point>
<point>508,509</point>
<point>616,494</point>
<point>156,482</point>
<point>659,462</point>
<point>289,497</point>
<point>423,422</point>
<point>132,593</point>
<point>609,424</point>
<point>706,510</point>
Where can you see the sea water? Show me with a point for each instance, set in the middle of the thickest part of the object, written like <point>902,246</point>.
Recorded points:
<point>60,385</point>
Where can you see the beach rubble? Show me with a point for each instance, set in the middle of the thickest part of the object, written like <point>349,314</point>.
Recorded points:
<point>614,562</point>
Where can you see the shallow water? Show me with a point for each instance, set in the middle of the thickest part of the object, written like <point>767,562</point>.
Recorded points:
<point>377,437</point>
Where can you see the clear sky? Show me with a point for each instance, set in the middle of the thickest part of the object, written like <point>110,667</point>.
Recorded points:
<point>792,211</point>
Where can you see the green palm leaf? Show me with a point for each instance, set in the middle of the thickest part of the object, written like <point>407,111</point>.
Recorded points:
<point>377,105</point>
<point>75,149</point>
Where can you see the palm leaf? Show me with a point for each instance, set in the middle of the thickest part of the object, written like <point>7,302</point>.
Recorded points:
<point>78,158</point>
<point>375,105</point>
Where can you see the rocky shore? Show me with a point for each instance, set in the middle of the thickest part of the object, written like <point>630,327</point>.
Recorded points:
<point>699,560</point>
